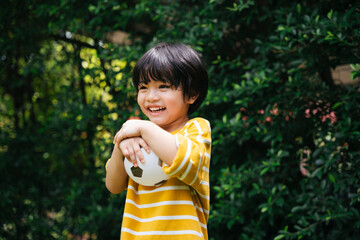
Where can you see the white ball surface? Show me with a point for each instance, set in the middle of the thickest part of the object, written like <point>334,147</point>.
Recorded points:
<point>148,174</point>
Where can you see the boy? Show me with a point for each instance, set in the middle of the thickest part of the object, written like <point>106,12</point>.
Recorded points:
<point>171,82</point>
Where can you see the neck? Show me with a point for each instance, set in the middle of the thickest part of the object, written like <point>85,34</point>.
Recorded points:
<point>176,125</point>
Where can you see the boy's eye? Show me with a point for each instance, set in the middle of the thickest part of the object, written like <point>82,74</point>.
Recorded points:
<point>142,87</point>
<point>165,86</point>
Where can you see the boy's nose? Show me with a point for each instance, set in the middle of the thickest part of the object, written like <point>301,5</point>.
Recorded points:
<point>152,96</point>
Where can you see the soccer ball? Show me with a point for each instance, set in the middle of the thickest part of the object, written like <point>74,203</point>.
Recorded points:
<point>148,174</point>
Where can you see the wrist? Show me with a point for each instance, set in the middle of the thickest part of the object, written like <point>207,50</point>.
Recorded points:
<point>144,127</point>
<point>117,151</point>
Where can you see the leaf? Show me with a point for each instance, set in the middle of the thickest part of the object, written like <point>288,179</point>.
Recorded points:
<point>329,15</point>
<point>336,105</point>
<point>224,119</point>
<point>267,138</point>
<point>265,170</point>
<point>280,28</point>
<point>298,8</point>
<point>332,178</point>
<point>278,237</point>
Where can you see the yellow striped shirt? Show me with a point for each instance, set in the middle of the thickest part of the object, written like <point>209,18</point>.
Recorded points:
<point>178,209</point>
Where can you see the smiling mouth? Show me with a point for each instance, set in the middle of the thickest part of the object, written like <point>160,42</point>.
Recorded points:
<point>156,109</point>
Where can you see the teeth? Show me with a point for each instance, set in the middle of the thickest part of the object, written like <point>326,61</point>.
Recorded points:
<point>156,109</point>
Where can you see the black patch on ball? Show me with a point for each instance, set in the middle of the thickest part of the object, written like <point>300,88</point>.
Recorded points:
<point>137,171</point>
<point>160,162</point>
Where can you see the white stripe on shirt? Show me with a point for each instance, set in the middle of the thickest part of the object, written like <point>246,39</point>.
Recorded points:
<point>157,218</point>
<point>204,196</point>
<point>187,170</point>
<point>198,138</point>
<point>208,123</point>
<point>202,210</point>
<point>197,171</point>
<point>188,151</point>
<point>203,140</point>
<point>204,183</point>
<point>167,203</point>
<point>157,204</point>
<point>160,189</point>
<point>147,233</point>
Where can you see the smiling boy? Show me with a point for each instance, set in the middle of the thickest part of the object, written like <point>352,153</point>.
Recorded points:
<point>172,82</point>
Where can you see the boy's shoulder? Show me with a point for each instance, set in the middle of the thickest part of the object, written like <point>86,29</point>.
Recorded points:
<point>200,121</point>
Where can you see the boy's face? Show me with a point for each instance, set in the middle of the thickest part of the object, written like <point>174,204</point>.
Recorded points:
<point>164,105</point>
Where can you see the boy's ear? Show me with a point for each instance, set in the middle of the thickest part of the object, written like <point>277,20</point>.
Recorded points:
<point>191,100</point>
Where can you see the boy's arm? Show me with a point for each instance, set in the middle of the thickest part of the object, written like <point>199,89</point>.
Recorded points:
<point>116,176</point>
<point>188,158</point>
<point>192,161</point>
<point>160,141</point>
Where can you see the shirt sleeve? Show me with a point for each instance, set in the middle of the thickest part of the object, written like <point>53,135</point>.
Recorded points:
<point>192,161</point>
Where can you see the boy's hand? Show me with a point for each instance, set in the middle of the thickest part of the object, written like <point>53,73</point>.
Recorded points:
<point>130,148</point>
<point>131,128</point>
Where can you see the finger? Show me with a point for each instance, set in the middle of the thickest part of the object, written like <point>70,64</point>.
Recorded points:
<point>133,157</point>
<point>144,145</point>
<point>124,151</point>
<point>119,137</point>
<point>116,137</point>
<point>118,146</point>
<point>139,153</point>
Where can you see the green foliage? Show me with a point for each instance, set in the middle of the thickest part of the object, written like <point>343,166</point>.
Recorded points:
<point>285,137</point>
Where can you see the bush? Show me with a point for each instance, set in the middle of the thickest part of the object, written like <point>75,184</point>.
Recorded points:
<point>285,137</point>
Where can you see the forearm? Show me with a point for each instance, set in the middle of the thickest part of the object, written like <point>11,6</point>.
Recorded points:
<point>160,141</point>
<point>116,176</point>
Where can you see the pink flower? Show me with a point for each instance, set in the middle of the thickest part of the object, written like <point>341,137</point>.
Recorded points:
<point>274,111</point>
<point>303,170</point>
<point>333,117</point>
<point>261,111</point>
<point>323,118</point>
<point>307,153</point>
<point>305,157</point>
<point>268,119</point>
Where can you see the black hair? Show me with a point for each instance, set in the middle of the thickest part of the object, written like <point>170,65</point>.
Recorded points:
<point>177,64</point>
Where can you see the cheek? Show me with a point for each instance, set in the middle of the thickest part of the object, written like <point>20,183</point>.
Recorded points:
<point>175,103</point>
<point>140,102</point>
<point>139,98</point>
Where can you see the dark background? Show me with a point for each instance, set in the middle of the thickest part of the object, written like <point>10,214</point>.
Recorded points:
<point>283,104</point>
